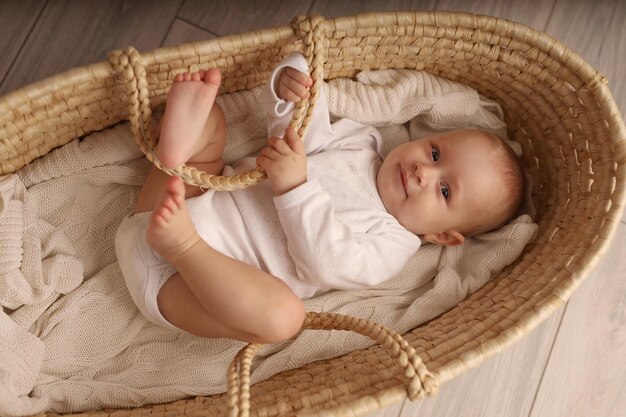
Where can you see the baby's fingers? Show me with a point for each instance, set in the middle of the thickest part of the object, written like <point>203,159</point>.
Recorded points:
<point>294,141</point>
<point>299,77</point>
<point>279,145</point>
<point>294,87</point>
<point>270,153</point>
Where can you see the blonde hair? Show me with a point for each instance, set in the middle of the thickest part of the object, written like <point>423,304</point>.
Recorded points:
<point>511,174</point>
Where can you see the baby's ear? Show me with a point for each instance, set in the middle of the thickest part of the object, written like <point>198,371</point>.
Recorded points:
<point>447,238</point>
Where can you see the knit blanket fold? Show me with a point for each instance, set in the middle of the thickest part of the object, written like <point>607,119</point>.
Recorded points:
<point>71,338</point>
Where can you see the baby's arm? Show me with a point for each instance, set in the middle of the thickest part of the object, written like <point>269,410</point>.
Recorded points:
<point>332,254</point>
<point>284,161</point>
<point>279,102</point>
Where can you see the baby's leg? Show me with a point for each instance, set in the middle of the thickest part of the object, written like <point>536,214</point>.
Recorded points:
<point>213,295</point>
<point>192,131</point>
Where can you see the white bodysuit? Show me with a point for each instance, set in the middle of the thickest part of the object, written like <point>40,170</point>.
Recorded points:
<point>332,232</point>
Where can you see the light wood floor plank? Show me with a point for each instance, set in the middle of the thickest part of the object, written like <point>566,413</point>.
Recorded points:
<point>586,374</point>
<point>75,33</point>
<point>238,16</point>
<point>16,20</point>
<point>183,32</point>
<point>337,8</point>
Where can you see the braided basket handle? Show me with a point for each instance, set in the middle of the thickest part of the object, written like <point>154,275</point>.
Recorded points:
<point>419,380</point>
<point>130,70</point>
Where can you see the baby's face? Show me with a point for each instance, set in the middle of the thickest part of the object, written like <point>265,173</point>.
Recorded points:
<point>440,183</point>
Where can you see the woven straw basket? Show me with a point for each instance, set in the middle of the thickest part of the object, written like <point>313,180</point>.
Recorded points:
<point>556,106</point>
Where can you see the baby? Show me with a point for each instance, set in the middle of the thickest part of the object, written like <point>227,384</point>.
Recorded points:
<point>333,213</point>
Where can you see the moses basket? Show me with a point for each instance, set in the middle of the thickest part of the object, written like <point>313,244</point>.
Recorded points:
<point>556,106</point>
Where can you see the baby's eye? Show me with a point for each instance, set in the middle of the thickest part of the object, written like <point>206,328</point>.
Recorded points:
<point>435,154</point>
<point>445,192</point>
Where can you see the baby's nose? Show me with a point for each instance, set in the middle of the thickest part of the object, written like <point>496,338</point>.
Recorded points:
<point>422,173</point>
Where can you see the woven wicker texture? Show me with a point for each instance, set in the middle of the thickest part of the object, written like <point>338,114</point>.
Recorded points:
<point>556,106</point>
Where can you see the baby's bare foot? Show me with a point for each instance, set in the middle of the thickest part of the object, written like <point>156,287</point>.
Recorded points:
<point>189,104</point>
<point>170,230</point>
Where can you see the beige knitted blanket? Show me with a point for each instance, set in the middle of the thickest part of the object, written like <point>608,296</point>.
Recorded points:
<point>70,337</point>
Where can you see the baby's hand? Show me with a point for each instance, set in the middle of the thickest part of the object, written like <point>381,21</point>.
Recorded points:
<point>293,85</point>
<point>284,161</point>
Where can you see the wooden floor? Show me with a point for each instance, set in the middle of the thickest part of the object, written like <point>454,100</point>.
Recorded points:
<point>574,364</point>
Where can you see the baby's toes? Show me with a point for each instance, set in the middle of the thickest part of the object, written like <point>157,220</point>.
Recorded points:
<point>169,206</point>
<point>176,189</point>
<point>212,76</point>
<point>160,218</point>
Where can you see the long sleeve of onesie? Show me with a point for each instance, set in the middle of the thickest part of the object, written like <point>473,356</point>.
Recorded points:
<point>327,251</point>
<point>280,111</point>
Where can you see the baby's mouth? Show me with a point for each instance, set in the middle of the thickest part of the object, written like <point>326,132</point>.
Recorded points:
<point>403,180</point>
